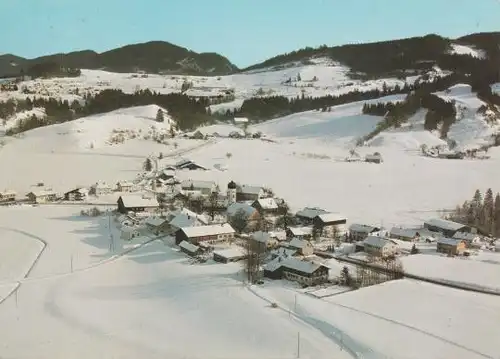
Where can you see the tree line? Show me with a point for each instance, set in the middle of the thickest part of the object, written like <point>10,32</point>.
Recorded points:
<point>482,212</point>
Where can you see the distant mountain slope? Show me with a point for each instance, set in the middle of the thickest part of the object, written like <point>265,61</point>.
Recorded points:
<point>396,56</point>
<point>152,57</point>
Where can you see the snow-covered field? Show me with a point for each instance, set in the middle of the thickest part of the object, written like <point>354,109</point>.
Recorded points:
<point>78,303</point>
<point>457,270</point>
<point>399,319</point>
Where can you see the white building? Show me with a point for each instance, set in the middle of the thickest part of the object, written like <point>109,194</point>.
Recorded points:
<point>380,246</point>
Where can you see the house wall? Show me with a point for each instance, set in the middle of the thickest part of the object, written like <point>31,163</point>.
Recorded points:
<point>318,277</point>
<point>7,198</point>
<point>451,249</point>
<point>358,236</point>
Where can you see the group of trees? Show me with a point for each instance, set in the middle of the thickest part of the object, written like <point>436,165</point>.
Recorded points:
<point>377,270</point>
<point>480,212</point>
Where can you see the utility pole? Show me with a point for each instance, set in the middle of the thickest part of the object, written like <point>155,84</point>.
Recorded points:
<point>298,344</point>
<point>295,304</point>
<point>71,263</point>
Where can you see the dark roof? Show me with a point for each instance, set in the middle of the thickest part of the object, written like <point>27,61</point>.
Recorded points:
<point>231,185</point>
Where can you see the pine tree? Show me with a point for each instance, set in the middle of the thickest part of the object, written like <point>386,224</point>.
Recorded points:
<point>497,215</point>
<point>477,206</point>
<point>148,165</point>
<point>414,249</point>
<point>488,214</point>
<point>159,115</point>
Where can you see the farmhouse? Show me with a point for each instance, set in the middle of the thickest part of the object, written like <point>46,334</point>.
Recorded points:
<point>131,203</point>
<point>167,174</point>
<point>380,246</point>
<point>124,186</point>
<point>100,189</point>
<point>42,196</point>
<point>305,248</point>
<point>470,238</point>
<point>248,193</point>
<point>7,196</point>
<point>447,228</point>
<point>189,165</point>
<point>240,120</point>
<point>307,214</point>
<point>203,187</point>
<point>405,234</point>
<point>374,158</point>
<point>305,273</point>
<point>266,206</point>
<point>183,220</point>
<point>211,234</point>
<point>190,249</point>
<point>154,224</point>
<point>228,255</point>
<point>299,232</point>
<point>77,194</point>
<point>451,246</point>
<point>330,224</point>
<point>197,135</point>
<point>358,232</point>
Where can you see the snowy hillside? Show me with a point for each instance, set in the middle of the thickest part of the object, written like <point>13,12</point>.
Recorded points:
<point>342,124</point>
<point>100,130</point>
<point>471,129</point>
<point>319,77</point>
<point>458,49</point>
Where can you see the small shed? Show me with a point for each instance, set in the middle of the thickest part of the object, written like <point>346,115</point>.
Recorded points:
<point>190,249</point>
<point>233,254</point>
<point>451,246</point>
<point>374,158</point>
<point>358,232</point>
<point>128,233</point>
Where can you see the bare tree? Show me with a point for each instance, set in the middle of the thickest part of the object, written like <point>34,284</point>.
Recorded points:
<point>254,259</point>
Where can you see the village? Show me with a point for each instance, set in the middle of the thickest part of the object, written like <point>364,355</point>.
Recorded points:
<point>236,222</point>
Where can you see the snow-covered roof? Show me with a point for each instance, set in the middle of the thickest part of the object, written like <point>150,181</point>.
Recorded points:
<point>373,157</point>
<point>183,220</point>
<point>331,217</point>
<point>240,119</point>
<point>300,231</point>
<point>262,237</point>
<point>155,221</point>
<point>130,201</point>
<point>125,184</point>
<point>283,252</point>
<point>233,252</point>
<point>449,241</point>
<point>378,242</point>
<point>43,193</point>
<point>362,228</point>
<point>310,212</point>
<point>211,230</point>
<point>235,207</point>
<point>244,189</point>
<point>197,184</point>
<point>299,243</point>
<point>293,263</point>
<point>466,236</point>
<point>189,246</point>
<point>8,192</point>
<point>404,232</point>
<point>267,203</point>
<point>279,235</point>
<point>444,224</point>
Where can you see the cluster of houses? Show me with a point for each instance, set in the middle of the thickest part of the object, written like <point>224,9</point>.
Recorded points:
<point>451,238</point>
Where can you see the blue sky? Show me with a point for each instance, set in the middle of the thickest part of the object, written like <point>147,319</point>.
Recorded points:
<point>246,31</point>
